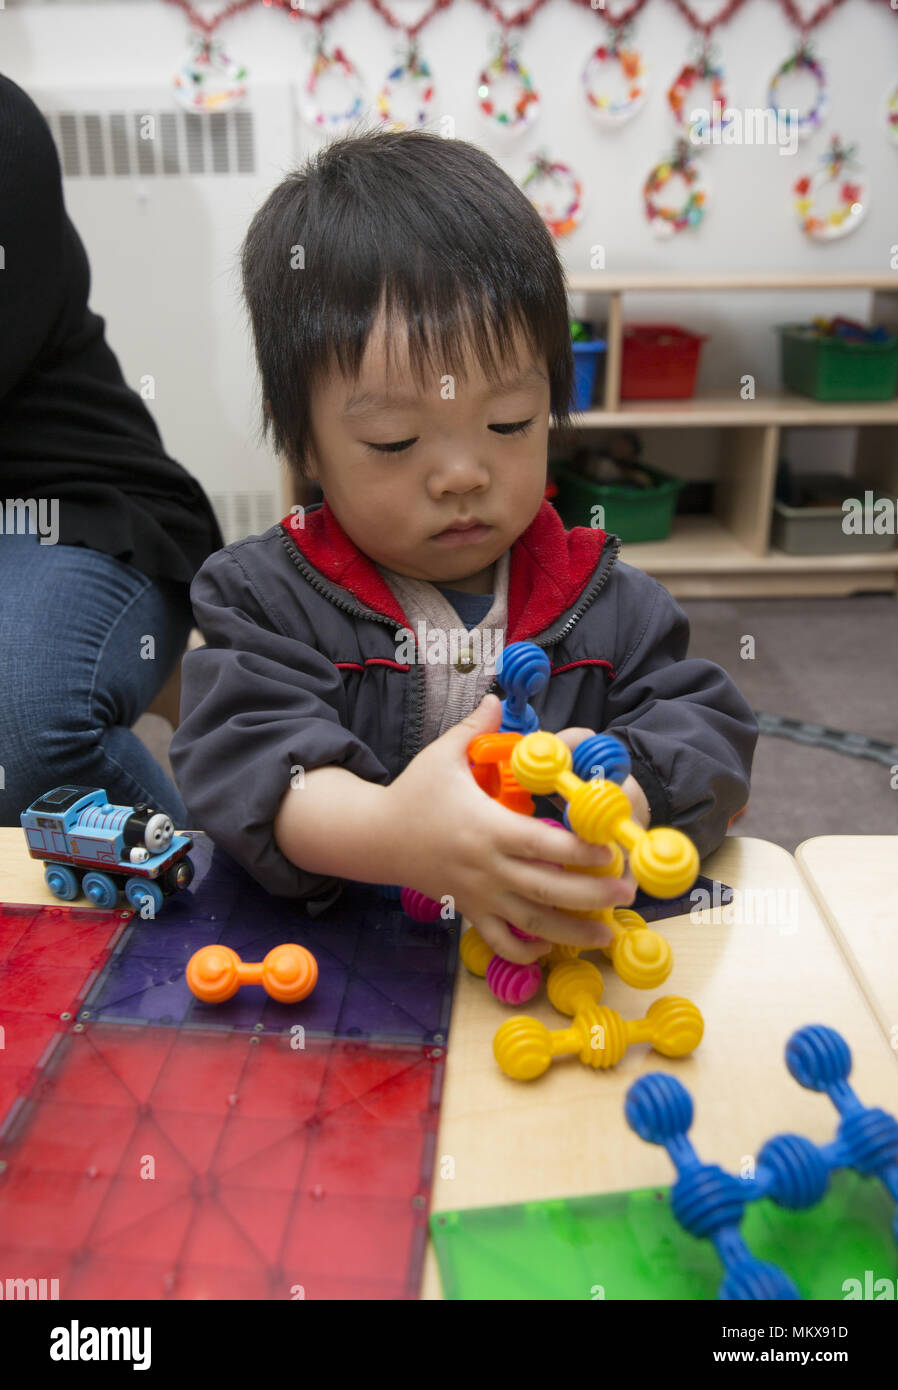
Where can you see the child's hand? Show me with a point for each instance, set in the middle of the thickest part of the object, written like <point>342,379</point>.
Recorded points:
<point>446,836</point>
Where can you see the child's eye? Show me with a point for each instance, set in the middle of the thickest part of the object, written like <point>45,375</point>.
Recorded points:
<point>396,448</point>
<point>517,428</point>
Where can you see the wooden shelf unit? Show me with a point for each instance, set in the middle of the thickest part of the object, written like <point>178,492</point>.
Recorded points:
<point>730,555</point>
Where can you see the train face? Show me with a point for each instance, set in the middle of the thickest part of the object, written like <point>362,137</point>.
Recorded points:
<point>78,826</point>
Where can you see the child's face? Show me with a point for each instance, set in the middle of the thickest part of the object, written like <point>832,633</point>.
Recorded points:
<point>478,455</point>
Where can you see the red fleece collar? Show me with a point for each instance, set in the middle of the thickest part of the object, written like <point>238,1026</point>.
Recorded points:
<point>548,570</point>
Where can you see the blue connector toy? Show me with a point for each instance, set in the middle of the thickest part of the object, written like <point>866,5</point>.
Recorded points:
<point>792,1171</point>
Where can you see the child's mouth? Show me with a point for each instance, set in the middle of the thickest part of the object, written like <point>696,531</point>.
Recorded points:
<point>469,534</point>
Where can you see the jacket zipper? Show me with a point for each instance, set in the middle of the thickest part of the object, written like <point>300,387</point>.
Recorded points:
<point>548,639</point>
<point>413,745</point>
<point>369,615</point>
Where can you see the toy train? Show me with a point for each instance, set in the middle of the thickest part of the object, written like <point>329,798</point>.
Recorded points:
<point>100,849</point>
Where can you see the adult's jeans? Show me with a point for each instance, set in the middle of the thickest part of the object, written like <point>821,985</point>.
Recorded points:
<point>86,642</point>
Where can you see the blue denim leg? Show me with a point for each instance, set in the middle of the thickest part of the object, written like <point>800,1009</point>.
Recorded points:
<point>86,642</point>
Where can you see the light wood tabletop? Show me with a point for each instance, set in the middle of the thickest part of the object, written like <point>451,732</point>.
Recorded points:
<point>758,970</point>
<point>854,879</point>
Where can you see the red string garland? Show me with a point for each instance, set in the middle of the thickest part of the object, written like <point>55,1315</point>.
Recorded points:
<point>410,30</point>
<point>706,27</point>
<point>806,25</point>
<point>514,21</point>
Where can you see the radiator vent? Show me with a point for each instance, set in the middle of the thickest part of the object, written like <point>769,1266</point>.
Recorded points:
<point>244,513</point>
<point>109,144</point>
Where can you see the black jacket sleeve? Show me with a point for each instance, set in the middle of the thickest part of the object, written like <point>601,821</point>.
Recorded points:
<point>690,733</point>
<point>258,708</point>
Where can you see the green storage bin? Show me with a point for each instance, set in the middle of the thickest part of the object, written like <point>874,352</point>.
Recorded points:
<point>634,514</point>
<point>833,369</point>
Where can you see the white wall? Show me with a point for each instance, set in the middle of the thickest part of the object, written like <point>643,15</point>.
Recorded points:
<point>750,224</point>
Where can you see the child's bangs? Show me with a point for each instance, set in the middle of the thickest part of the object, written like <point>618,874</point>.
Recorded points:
<point>434,331</point>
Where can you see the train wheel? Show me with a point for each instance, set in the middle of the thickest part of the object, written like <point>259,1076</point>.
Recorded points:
<point>184,872</point>
<point>61,881</point>
<point>176,876</point>
<point>100,888</point>
<point>145,896</point>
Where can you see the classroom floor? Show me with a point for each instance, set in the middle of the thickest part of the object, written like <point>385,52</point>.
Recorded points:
<point>830,661</point>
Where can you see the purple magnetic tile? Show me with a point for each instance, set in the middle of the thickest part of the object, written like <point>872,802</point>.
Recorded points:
<point>657,909</point>
<point>381,976</point>
<point>137,989</point>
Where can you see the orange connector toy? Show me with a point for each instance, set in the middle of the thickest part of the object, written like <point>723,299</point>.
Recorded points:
<point>288,973</point>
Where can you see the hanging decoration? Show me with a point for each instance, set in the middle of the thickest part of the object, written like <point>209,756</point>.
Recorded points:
<point>556,193</point>
<point>209,79</point>
<point>805,122</point>
<point>406,98</point>
<point>618,101</point>
<point>667,218</point>
<point>332,96</point>
<point>831,202</point>
<point>891,113</point>
<point>699,124</point>
<point>506,93</point>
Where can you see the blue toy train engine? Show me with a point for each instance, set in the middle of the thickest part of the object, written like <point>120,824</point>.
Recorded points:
<point>99,849</point>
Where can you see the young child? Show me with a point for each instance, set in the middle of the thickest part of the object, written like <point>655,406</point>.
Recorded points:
<point>412,335</point>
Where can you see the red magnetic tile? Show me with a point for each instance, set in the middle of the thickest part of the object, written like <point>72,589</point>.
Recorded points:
<point>92,1277</point>
<point>87,1079</point>
<point>266,1153</point>
<point>254,1184</point>
<point>71,937</point>
<point>387,1164</point>
<point>200,1075</point>
<point>284,1081</point>
<point>384,1088</point>
<point>15,1082</point>
<point>174,1146</point>
<point>58,1141</point>
<point>205,1282</point>
<point>238,1229</point>
<point>48,956</point>
<point>145,1219</point>
<point>14,923</point>
<point>32,986</point>
<point>366,1238</point>
<point>41,1211</point>
<point>25,1037</point>
<point>324,1289</point>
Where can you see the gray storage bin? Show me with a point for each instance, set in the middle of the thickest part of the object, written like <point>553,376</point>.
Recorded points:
<point>818,531</point>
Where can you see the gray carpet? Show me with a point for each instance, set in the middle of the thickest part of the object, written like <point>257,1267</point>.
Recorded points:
<point>829,661</point>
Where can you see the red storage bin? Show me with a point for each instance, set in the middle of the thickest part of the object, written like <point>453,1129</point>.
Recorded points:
<point>660,361</point>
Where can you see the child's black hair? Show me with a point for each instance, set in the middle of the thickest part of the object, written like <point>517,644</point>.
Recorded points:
<point>429,228</point>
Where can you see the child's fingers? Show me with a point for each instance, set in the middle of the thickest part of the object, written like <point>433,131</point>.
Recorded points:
<point>522,837</point>
<point>550,886</point>
<point>497,936</point>
<point>553,926</point>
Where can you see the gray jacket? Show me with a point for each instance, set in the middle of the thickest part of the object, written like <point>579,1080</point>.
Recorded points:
<point>299,671</point>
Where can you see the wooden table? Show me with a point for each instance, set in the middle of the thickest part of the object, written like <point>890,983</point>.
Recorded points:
<point>854,879</point>
<point>772,968</point>
<point>758,971</point>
